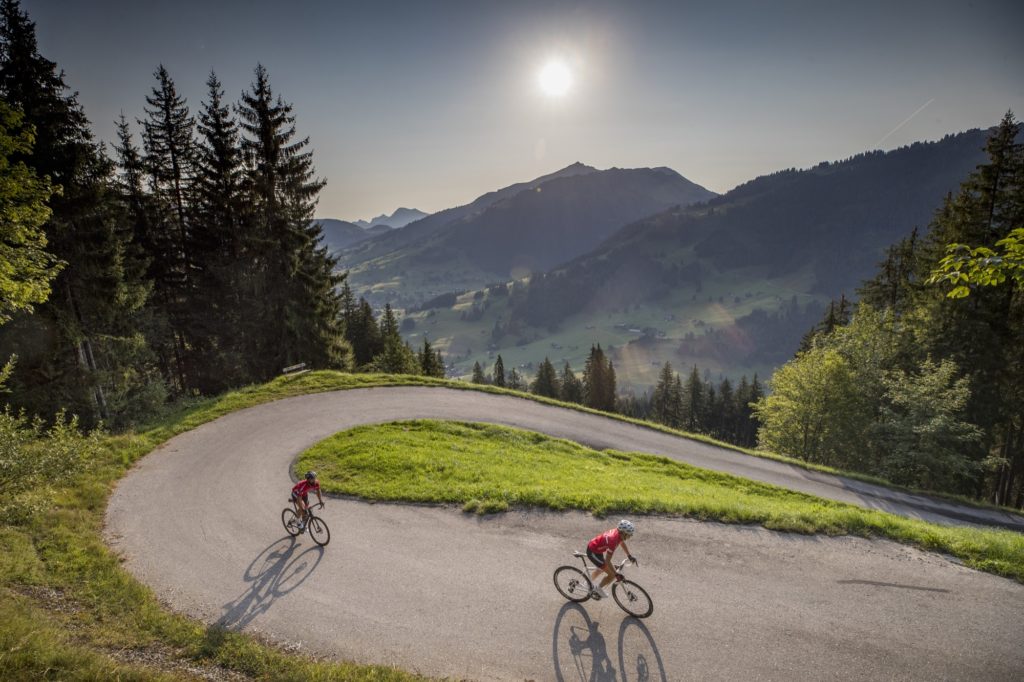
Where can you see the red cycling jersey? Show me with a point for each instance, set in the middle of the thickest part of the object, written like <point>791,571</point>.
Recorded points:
<point>303,487</point>
<point>605,542</point>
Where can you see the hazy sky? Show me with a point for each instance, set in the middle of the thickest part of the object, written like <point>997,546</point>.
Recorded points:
<point>430,104</point>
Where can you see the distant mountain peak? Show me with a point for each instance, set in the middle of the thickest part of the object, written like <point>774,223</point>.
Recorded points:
<point>400,218</point>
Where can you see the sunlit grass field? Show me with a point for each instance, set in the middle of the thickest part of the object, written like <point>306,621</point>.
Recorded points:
<point>487,468</point>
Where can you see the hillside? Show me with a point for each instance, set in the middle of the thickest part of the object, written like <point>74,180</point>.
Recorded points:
<point>513,232</point>
<point>339,234</point>
<point>731,285</point>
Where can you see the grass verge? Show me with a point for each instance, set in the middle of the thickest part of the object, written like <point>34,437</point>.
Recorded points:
<point>487,468</point>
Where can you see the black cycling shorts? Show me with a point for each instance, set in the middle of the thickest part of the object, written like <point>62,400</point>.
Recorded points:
<point>596,559</point>
<point>305,498</point>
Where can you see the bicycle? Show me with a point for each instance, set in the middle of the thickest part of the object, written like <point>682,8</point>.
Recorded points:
<point>575,585</point>
<point>318,530</point>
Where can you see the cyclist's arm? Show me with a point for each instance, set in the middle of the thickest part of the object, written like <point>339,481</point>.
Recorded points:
<point>625,549</point>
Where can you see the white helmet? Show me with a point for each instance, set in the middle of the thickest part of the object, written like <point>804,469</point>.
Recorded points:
<point>626,527</point>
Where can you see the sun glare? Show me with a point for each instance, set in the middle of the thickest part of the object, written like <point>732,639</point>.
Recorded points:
<point>555,79</point>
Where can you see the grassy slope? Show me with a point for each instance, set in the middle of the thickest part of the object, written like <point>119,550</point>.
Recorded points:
<point>67,610</point>
<point>638,365</point>
<point>490,468</point>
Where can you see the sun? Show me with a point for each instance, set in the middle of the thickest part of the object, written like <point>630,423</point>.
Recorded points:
<point>555,79</point>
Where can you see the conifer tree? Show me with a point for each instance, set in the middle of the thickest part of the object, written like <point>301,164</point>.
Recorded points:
<point>546,382</point>
<point>499,372</point>
<point>693,402</point>
<point>478,374</point>
<point>396,357</point>
<point>431,363</point>
<point>599,381</point>
<point>572,387</point>
<point>665,402</point>
<point>170,165</point>
<point>515,380</point>
<point>300,315</point>
<point>223,257</point>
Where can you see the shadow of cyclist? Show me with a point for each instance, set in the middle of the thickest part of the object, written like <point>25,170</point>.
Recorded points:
<point>639,658</point>
<point>276,571</point>
<point>578,648</point>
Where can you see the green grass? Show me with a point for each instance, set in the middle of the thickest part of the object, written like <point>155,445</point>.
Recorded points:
<point>487,468</point>
<point>68,611</point>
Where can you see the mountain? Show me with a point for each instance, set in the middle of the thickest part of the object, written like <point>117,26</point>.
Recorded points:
<point>731,284</point>
<point>510,233</point>
<point>340,234</point>
<point>400,218</point>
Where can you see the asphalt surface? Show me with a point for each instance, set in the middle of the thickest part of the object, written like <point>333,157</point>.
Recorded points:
<point>433,590</point>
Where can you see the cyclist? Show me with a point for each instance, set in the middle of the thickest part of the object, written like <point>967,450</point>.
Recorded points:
<point>300,496</point>
<point>600,550</point>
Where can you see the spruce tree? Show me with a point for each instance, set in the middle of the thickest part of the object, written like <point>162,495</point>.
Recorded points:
<point>431,364</point>
<point>478,374</point>
<point>546,382</point>
<point>395,357</point>
<point>693,402</point>
<point>662,400</point>
<point>223,257</point>
<point>499,372</point>
<point>596,381</point>
<point>170,165</point>
<point>572,387</point>
<point>300,312</point>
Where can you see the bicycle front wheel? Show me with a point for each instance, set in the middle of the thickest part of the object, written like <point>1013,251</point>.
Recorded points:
<point>573,584</point>
<point>319,531</point>
<point>291,521</point>
<point>632,599</point>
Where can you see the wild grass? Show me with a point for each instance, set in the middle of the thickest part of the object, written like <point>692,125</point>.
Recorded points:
<point>487,468</point>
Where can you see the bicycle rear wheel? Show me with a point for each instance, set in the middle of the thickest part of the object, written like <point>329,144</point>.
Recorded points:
<point>291,521</point>
<point>319,531</point>
<point>632,599</point>
<point>573,584</point>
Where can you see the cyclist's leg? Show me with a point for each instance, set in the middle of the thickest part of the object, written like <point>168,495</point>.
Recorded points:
<point>599,561</point>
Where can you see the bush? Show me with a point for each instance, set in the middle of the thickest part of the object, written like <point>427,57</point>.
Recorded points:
<point>31,456</point>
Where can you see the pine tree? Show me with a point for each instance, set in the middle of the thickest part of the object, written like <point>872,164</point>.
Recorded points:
<point>396,356</point>
<point>663,400</point>
<point>499,372</point>
<point>693,402</point>
<point>300,316</point>
<point>599,381</point>
<point>572,387</point>
<point>431,364</point>
<point>222,256</point>
<point>170,166</point>
<point>478,374</point>
<point>546,383</point>
<point>515,380</point>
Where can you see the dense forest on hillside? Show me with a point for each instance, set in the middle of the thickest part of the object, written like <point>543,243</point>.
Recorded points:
<point>185,265</point>
<point>911,383</point>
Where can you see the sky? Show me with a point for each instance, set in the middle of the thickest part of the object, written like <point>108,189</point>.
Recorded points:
<point>430,103</point>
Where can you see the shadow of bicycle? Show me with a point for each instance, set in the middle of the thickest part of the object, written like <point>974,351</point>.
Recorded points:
<point>580,652</point>
<point>276,571</point>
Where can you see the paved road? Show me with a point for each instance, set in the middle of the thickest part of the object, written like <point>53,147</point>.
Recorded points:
<point>433,590</point>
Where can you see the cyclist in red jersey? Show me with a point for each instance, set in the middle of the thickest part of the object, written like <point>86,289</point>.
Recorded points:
<point>300,495</point>
<point>600,550</point>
